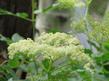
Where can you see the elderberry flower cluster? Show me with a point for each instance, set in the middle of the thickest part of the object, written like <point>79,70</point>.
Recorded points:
<point>51,46</point>
<point>69,4</point>
<point>66,4</point>
<point>99,33</point>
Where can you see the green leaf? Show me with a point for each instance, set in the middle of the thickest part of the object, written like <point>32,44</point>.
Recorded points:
<point>46,65</point>
<point>6,39</point>
<point>22,15</point>
<point>106,45</point>
<point>46,9</point>
<point>11,79</point>
<point>103,58</point>
<point>38,11</point>
<point>13,63</point>
<point>16,37</point>
<point>3,12</point>
<point>88,2</point>
<point>31,67</point>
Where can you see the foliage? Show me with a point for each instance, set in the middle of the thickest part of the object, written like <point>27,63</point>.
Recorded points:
<point>15,38</point>
<point>51,58</point>
<point>102,61</point>
<point>22,15</point>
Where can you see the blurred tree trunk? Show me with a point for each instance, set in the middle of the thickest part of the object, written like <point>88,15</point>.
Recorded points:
<point>53,20</point>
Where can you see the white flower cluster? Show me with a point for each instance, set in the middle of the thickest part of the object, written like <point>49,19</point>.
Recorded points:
<point>66,4</point>
<point>69,4</point>
<point>22,47</point>
<point>99,33</point>
<point>51,46</point>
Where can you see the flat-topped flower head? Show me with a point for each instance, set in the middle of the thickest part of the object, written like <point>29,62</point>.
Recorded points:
<point>57,39</point>
<point>23,47</point>
<point>66,4</point>
<point>52,46</point>
<point>69,4</point>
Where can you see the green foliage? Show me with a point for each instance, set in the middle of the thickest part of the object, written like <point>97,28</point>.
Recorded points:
<point>102,60</point>
<point>22,15</point>
<point>15,38</point>
<point>88,2</point>
<point>7,40</point>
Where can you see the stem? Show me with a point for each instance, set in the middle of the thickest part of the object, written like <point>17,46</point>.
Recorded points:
<point>85,19</point>
<point>87,25</point>
<point>12,14</point>
<point>49,76</point>
<point>36,67</point>
<point>33,16</point>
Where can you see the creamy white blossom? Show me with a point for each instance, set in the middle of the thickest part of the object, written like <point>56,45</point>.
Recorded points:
<point>66,4</point>
<point>70,4</point>
<point>52,46</point>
